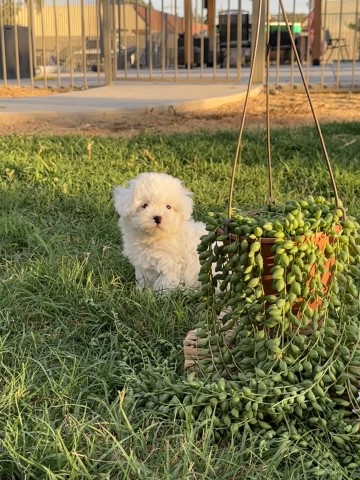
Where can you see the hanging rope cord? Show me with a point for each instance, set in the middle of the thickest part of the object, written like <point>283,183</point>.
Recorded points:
<point>271,198</point>
<point>239,143</point>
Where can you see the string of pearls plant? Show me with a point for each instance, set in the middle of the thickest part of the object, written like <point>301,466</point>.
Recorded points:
<point>309,243</point>
<point>284,360</point>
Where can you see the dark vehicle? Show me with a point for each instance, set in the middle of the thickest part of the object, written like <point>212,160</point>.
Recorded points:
<point>130,54</point>
<point>197,56</point>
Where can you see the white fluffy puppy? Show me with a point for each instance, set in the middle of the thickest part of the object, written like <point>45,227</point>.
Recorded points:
<point>160,239</point>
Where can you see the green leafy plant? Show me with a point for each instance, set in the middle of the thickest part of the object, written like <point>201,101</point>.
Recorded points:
<point>276,263</point>
<point>277,347</point>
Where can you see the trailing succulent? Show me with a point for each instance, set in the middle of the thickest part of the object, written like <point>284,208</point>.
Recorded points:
<point>281,266</point>
<point>283,358</point>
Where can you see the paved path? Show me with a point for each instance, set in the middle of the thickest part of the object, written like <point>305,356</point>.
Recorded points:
<point>136,96</point>
<point>125,97</point>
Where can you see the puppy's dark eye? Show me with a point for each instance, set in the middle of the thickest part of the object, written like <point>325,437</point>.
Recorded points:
<point>144,205</point>
<point>168,207</point>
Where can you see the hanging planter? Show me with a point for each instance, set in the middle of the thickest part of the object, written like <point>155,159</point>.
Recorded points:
<point>276,264</point>
<point>273,272</point>
<point>275,346</point>
<point>284,251</point>
<point>269,277</point>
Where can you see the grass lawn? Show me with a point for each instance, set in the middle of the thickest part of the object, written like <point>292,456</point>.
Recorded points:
<point>74,331</point>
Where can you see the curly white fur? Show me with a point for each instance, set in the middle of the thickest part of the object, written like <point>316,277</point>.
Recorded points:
<point>160,238</point>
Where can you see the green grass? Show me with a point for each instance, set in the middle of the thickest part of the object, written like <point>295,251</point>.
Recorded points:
<point>74,330</point>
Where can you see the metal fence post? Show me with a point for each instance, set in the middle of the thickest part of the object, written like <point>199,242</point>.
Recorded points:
<point>188,38</point>
<point>258,75</point>
<point>31,37</point>
<point>107,42</point>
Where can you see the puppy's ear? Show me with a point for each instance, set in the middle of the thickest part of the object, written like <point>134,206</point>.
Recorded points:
<point>122,200</point>
<point>186,204</point>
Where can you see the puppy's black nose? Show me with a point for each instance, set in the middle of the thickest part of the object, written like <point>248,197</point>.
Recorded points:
<point>157,219</point>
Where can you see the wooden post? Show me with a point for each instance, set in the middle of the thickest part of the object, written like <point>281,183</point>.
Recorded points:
<point>258,75</point>
<point>211,17</point>
<point>316,50</point>
<point>210,6</point>
<point>188,40</point>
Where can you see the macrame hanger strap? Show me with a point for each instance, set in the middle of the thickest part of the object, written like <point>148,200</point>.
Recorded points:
<point>239,143</point>
<point>321,138</point>
<point>271,198</point>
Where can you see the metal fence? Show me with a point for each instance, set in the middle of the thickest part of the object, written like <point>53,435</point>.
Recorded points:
<point>83,43</point>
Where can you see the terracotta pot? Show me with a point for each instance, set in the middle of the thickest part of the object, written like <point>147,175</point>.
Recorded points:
<point>320,239</point>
